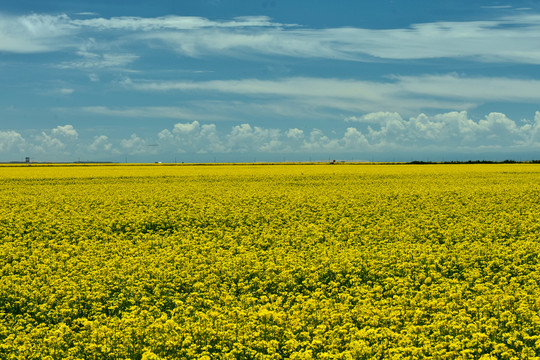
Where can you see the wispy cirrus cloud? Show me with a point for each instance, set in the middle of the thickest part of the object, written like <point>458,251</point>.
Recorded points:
<point>210,110</point>
<point>96,61</point>
<point>35,33</point>
<point>173,23</point>
<point>398,93</point>
<point>497,7</point>
<point>506,39</point>
<point>296,86</point>
<point>476,88</point>
<point>153,112</point>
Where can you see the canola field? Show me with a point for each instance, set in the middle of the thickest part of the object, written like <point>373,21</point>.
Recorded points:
<point>270,262</point>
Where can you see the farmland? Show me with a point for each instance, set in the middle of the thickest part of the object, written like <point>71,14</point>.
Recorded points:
<point>270,262</point>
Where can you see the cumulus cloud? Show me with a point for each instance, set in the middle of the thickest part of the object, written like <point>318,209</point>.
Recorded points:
<point>533,129</point>
<point>244,138</point>
<point>11,141</point>
<point>381,132</point>
<point>135,145</point>
<point>45,143</point>
<point>295,133</point>
<point>192,137</point>
<point>65,131</point>
<point>375,132</point>
<point>318,141</point>
<point>101,143</point>
<point>354,139</point>
<point>61,140</point>
<point>448,130</point>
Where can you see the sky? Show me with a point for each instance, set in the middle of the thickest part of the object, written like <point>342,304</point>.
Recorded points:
<point>269,80</point>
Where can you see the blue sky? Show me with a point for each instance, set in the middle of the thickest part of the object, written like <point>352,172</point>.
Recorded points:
<point>269,80</point>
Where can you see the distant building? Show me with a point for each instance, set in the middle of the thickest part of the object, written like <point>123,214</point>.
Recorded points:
<point>27,159</point>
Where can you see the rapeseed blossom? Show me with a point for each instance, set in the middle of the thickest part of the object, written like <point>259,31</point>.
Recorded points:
<point>270,262</point>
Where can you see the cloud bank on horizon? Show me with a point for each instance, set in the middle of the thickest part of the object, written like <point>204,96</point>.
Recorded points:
<point>451,133</point>
<point>88,86</point>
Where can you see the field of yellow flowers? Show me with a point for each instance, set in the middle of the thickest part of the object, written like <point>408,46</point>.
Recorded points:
<point>270,262</point>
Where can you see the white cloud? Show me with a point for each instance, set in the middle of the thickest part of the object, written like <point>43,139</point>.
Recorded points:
<point>61,140</point>
<point>192,137</point>
<point>318,141</point>
<point>45,33</point>
<point>296,86</point>
<point>378,131</point>
<point>172,23</point>
<point>445,86</point>
<point>100,144</point>
<point>45,143</point>
<point>65,131</point>
<point>318,93</point>
<point>404,94</point>
<point>448,130</point>
<point>245,138</point>
<point>97,55</point>
<point>375,117</point>
<point>187,128</point>
<point>135,145</point>
<point>35,33</point>
<point>385,131</point>
<point>381,132</point>
<point>471,88</point>
<point>534,129</point>
<point>168,112</point>
<point>66,91</point>
<point>94,61</point>
<point>295,133</point>
<point>11,141</point>
<point>497,7</point>
<point>506,39</point>
<point>354,139</point>
<point>59,91</point>
<point>87,13</point>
